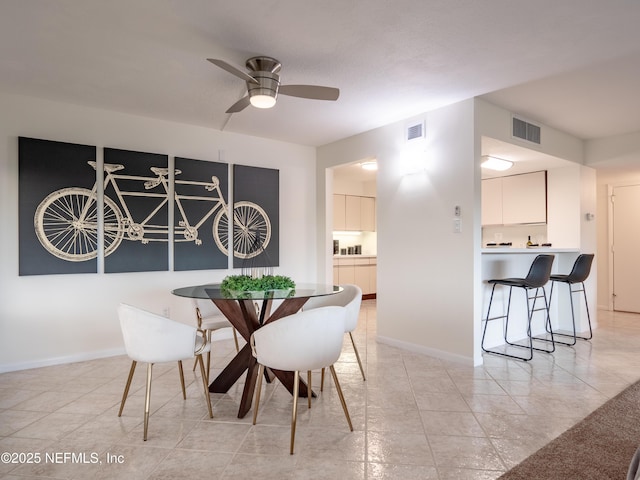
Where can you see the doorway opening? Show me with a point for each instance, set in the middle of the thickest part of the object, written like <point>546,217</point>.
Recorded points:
<point>354,235</point>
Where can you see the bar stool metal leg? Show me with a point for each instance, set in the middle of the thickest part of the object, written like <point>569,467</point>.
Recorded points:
<point>537,278</point>
<point>548,326</point>
<point>575,336</point>
<point>506,328</point>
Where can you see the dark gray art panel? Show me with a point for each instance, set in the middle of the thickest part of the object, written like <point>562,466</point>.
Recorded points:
<point>58,223</point>
<point>200,215</point>
<point>136,219</point>
<point>256,229</point>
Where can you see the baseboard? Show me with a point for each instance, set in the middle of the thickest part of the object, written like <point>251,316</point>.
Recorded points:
<point>432,352</point>
<point>222,334</point>
<point>48,362</point>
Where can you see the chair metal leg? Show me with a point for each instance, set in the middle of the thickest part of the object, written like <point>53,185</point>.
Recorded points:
<point>357,356</point>
<point>126,388</point>
<point>506,327</point>
<point>184,391</point>
<point>195,362</point>
<point>205,383</point>
<point>547,326</point>
<point>309,395</point>
<point>586,304</point>
<point>342,401</point>
<point>147,401</point>
<point>322,380</point>
<point>258,391</point>
<point>575,336</point>
<point>531,309</point>
<point>294,412</point>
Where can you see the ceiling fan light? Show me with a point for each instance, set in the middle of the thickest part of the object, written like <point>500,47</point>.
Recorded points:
<point>262,101</point>
<point>493,163</point>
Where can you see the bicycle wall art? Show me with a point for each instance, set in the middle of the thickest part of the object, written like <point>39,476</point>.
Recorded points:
<point>61,222</point>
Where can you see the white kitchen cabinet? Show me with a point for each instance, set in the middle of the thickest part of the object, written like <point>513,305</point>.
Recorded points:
<point>492,201</point>
<point>524,198</point>
<point>354,213</point>
<point>357,271</point>
<point>339,212</point>
<point>368,214</point>
<point>515,199</point>
<point>353,219</point>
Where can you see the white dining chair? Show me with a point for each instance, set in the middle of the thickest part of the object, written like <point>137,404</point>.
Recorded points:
<point>351,298</point>
<point>300,342</point>
<point>209,319</point>
<point>152,338</point>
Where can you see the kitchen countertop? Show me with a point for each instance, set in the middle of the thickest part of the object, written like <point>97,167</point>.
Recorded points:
<point>529,250</point>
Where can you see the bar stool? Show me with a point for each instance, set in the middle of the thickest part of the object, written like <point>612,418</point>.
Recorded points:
<point>537,278</point>
<point>579,273</point>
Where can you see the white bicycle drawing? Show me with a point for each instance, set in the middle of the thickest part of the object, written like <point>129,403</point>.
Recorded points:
<point>66,221</point>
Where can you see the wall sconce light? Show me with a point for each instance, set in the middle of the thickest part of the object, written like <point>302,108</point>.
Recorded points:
<point>371,165</point>
<point>493,163</point>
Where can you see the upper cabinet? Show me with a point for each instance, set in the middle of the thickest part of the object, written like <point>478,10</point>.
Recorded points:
<point>355,213</point>
<point>515,199</point>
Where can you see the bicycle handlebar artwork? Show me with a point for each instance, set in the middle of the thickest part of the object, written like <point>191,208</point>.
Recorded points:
<point>67,226</point>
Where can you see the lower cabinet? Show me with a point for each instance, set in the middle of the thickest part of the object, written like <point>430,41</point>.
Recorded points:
<point>357,271</point>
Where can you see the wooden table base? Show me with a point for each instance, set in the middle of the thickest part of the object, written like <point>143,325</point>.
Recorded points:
<point>243,316</point>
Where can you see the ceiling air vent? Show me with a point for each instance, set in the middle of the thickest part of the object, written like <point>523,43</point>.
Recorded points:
<point>526,131</point>
<point>415,130</point>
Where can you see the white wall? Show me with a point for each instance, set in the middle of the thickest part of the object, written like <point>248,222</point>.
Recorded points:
<point>58,318</point>
<point>425,297</point>
<point>495,122</point>
<point>429,278</point>
<point>617,160</point>
<point>563,206</point>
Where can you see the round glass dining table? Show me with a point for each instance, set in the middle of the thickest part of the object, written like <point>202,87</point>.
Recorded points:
<point>240,309</point>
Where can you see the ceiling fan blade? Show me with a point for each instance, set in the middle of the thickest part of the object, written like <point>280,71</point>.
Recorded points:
<point>310,91</point>
<point>233,70</point>
<point>239,105</point>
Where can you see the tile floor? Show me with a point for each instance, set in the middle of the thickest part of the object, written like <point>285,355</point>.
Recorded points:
<point>415,417</point>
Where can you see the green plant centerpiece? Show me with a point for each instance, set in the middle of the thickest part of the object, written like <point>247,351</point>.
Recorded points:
<point>245,285</point>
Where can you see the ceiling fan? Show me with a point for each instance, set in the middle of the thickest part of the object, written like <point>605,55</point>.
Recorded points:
<point>263,84</point>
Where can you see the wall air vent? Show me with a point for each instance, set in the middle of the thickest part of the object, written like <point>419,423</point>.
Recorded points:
<point>525,130</point>
<point>415,130</point>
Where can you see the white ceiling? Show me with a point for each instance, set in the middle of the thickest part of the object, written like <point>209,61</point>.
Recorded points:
<point>571,64</point>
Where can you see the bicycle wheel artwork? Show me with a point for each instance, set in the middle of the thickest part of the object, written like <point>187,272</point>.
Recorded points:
<point>251,224</point>
<point>57,209</point>
<point>66,223</point>
<point>256,219</point>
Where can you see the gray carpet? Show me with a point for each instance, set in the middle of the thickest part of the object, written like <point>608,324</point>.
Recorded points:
<point>600,447</point>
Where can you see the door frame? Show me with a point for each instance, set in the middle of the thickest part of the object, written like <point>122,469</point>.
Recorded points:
<point>610,245</point>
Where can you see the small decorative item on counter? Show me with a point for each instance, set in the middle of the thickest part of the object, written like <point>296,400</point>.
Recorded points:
<point>546,245</point>
<point>529,242</point>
